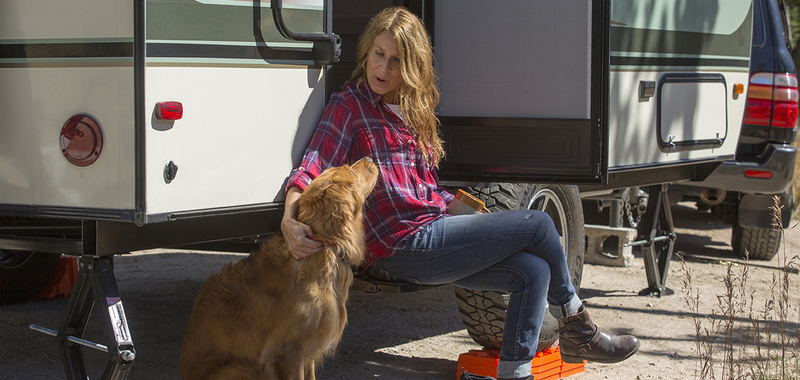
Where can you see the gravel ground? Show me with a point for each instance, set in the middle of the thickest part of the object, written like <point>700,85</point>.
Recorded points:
<point>415,336</point>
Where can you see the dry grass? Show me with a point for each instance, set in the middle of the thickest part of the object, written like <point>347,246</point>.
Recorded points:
<point>744,338</point>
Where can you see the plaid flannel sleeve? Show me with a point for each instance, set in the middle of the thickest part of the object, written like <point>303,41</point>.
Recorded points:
<point>328,147</point>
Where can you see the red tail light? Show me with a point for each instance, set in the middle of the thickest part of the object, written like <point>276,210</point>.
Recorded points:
<point>762,174</point>
<point>81,140</point>
<point>772,100</point>
<point>169,110</point>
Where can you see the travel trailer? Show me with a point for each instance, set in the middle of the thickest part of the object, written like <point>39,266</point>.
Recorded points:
<point>129,125</point>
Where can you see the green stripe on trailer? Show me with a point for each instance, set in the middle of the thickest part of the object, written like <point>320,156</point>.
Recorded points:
<point>223,21</point>
<point>307,5</point>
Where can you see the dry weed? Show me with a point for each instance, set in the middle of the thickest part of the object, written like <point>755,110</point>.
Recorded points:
<point>750,343</point>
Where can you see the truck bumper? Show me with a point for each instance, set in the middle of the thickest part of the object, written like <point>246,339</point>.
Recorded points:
<point>730,175</point>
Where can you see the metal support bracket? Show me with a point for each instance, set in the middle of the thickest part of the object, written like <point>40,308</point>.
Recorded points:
<point>657,242</point>
<point>96,285</point>
<point>367,284</point>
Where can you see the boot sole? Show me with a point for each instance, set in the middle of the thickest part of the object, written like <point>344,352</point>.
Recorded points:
<point>578,360</point>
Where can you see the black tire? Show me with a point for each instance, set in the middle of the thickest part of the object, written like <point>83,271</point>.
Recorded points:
<point>24,274</point>
<point>484,312</point>
<point>755,243</point>
<point>484,315</point>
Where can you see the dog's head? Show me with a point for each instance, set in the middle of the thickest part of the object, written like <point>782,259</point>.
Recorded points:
<point>333,203</point>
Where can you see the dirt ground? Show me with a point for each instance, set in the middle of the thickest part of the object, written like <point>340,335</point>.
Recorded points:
<point>415,336</point>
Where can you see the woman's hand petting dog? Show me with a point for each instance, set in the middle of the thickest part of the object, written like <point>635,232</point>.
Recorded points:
<point>295,234</point>
<point>298,244</point>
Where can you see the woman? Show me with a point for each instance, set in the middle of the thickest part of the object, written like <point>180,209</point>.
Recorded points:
<point>386,112</point>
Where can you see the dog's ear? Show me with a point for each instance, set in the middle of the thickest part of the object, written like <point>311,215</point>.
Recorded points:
<point>331,205</point>
<point>310,199</point>
<point>313,194</point>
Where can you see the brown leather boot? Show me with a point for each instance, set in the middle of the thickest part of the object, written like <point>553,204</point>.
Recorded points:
<point>581,340</point>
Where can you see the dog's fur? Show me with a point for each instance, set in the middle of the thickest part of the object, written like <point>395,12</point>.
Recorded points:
<point>272,317</point>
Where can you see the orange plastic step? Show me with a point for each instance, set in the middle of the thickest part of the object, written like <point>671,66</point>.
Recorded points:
<point>547,365</point>
<point>60,285</point>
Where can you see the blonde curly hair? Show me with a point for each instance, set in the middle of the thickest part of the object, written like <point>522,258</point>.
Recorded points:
<point>418,94</point>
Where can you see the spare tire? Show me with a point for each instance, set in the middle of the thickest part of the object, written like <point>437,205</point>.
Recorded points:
<point>24,274</point>
<point>484,312</point>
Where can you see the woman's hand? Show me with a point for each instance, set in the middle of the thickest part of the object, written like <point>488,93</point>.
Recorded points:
<point>295,234</point>
<point>295,237</point>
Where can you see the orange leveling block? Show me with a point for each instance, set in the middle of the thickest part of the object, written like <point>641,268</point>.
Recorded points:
<point>60,285</point>
<point>547,365</point>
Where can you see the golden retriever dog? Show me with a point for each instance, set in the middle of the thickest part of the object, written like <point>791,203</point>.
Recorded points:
<point>269,316</point>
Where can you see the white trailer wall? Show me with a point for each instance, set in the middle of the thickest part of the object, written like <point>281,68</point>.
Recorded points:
<point>54,68</point>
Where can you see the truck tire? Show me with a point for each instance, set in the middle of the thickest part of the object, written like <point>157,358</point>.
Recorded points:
<point>755,243</point>
<point>24,274</point>
<point>484,312</point>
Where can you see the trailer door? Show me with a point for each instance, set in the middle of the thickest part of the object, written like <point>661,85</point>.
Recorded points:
<point>521,89</point>
<point>522,84</point>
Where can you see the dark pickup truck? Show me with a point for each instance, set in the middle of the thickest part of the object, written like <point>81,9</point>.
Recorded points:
<point>741,191</point>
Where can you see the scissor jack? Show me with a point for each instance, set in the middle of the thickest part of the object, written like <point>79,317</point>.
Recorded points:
<point>657,241</point>
<point>95,284</point>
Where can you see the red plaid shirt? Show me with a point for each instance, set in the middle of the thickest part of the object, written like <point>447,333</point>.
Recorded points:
<point>357,123</point>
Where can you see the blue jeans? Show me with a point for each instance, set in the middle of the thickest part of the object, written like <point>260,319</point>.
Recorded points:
<point>512,251</point>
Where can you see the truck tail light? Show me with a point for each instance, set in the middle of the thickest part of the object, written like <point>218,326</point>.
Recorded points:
<point>169,110</point>
<point>772,100</point>
<point>762,174</point>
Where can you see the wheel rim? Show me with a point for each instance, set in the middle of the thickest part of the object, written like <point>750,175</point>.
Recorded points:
<point>547,200</point>
<point>14,260</point>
